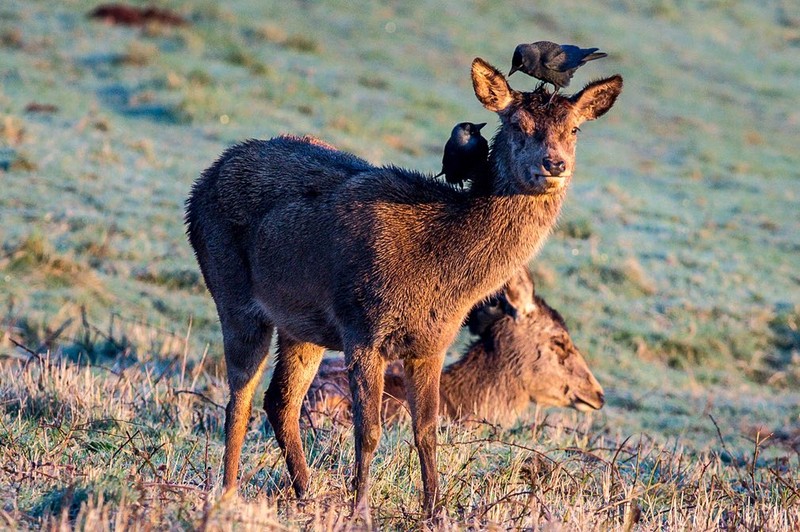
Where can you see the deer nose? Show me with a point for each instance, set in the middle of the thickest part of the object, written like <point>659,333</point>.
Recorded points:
<point>555,168</point>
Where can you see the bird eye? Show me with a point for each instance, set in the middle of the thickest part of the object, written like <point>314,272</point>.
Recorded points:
<point>575,130</point>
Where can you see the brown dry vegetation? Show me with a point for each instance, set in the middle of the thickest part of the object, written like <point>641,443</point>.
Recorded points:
<point>134,445</point>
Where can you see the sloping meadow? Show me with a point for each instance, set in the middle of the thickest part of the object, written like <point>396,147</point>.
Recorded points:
<point>675,262</point>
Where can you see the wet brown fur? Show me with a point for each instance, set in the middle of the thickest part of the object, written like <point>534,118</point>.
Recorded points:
<point>381,263</point>
<point>530,358</point>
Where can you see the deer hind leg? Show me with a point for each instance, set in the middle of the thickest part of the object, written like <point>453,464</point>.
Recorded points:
<point>297,364</point>
<point>422,389</point>
<point>246,348</point>
<point>366,384</point>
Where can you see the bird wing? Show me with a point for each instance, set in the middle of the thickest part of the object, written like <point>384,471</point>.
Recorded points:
<point>573,57</point>
<point>482,148</point>
<point>450,151</point>
<point>551,55</point>
<point>448,157</point>
<point>554,59</point>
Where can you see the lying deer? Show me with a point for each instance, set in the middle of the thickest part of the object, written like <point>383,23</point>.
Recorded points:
<point>525,354</point>
<point>382,263</point>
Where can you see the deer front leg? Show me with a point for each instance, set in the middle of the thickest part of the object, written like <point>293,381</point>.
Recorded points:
<point>296,367</point>
<point>422,389</point>
<point>246,348</point>
<point>366,385</point>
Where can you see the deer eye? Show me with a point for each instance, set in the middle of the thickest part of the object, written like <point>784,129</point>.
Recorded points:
<point>561,345</point>
<point>575,130</point>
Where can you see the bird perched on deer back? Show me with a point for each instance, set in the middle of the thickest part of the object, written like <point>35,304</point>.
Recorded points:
<point>550,62</point>
<point>466,155</point>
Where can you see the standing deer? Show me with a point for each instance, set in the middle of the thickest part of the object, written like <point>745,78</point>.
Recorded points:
<point>379,262</point>
<point>525,354</point>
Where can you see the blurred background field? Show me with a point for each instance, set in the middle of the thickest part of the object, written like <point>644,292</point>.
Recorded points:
<point>676,262</point>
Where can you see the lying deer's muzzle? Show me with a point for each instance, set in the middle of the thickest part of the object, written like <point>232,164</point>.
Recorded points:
<point>589,402</point>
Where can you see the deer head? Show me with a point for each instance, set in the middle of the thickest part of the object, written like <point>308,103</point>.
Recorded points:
<point>554,370</point>
<point>533,151</point>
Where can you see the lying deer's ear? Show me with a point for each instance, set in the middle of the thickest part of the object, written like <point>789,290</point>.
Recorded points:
<point>533,283</point>
<point>597,97</point>
<point>519,293</point>
<point>490,86</point>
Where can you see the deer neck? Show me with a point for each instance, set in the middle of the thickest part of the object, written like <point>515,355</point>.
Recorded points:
<point>498,233</point>
<point>515,225</point>
<point>482,383</point>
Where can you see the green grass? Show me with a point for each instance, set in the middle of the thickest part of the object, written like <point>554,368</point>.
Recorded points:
<point>675,262</point>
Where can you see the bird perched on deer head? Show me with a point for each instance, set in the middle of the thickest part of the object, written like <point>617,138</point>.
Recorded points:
<point>550,62</point>
<point>466,154</point>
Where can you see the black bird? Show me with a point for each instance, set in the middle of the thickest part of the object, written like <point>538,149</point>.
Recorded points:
<point>465,154</point>
<point>550,62</point>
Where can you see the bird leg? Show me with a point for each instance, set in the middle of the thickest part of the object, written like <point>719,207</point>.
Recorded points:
<point>555,91</point>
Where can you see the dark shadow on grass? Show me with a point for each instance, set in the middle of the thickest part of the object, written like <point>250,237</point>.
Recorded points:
<point>785,344</point>
<point>102,64</point>
<point>120,99</point>
<point>58,500</point>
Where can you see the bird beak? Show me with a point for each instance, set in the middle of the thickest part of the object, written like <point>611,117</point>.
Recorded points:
<point>513,69</point>
<point>478,127</point>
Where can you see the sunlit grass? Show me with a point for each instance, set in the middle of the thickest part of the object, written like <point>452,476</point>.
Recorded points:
<point>136,437</point>
<point>674,263</point>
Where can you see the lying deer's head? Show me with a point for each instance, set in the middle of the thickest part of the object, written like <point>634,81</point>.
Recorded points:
<point>551,368</point>
<point>562,376</point>
<point>533,151</point>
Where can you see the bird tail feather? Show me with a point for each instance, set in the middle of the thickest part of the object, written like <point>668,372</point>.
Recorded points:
<point>596,55</point>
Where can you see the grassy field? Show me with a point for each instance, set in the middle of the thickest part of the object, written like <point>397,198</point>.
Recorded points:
<point>676,262</point>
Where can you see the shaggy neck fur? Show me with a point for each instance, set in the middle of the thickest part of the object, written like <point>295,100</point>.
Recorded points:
<point>497,232</point>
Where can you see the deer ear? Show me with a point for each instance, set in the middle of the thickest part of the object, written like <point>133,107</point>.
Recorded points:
<point>533,283</point>
<point>490,86</point>
<point>597,97</point>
